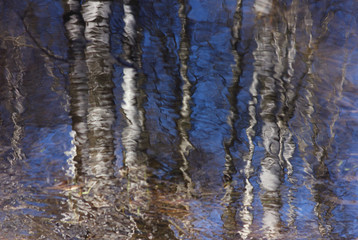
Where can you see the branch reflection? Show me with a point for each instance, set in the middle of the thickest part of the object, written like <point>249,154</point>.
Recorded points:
<point>14,71</point>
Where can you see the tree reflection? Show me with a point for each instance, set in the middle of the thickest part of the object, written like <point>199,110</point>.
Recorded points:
<point>101,114</point>
<point>315,165</point>
<point>78,91</point>
<point>274,59</point>
<point>135,160</point>
<point>184,122</point>
<point>266,64</point>
<point>93,116</point>
<point>142,199</point>
<point>14,71</point>
<point>230,197</point>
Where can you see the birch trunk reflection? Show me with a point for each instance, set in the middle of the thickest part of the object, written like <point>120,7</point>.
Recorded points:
<point>101,110</point>
<point>78,91</point>
<point>269,68</point>
<point>183,122</point>
<point>233,92</point>
<point>149,224</point>
<point>93,116</point>
<point>280,132</point>
<point>135,160</point>
<point>278,103</point>
<point>248,197</point>
<point>289,97</point>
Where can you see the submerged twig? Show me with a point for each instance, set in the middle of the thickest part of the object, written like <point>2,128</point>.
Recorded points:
<point>177,227</point>
<point>90,188</point>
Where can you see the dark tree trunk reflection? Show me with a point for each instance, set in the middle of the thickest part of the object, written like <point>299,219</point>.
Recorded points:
<point>230,198</point>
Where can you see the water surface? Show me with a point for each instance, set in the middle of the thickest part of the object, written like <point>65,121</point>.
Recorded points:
<point>188,119</point>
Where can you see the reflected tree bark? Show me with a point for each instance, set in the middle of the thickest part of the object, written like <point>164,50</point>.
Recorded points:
<point>278,102</point>
<point>268,69</point>
<point>14,71</point>
<point>315,165</point>
<point>135,136</point>
<point>248,197</point>
<point>184,122</point>
<point>229,199</point>
<point>294,130</point>
<point>101,110</point>
<point>135,160</point>
<point>233,92</point>
<point>93,116</point>
<point>78,91</point>
<point>289,97</point>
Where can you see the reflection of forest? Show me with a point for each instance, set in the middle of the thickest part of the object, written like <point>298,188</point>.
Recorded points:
<point>177,119</point>
<point>280,97</point>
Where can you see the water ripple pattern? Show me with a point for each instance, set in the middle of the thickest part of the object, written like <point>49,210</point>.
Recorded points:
<point>178,119</point>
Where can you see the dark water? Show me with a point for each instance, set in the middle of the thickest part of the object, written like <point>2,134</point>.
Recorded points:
<point>187,119</point>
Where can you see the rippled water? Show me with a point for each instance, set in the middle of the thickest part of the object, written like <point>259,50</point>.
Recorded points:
<point>188,119</point>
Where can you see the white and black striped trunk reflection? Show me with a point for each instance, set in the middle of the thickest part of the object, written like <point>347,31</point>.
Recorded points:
<point>134,160</point>
<point>93,116</point>
<point>101,110</point>
<point>134,137</point>
<point>78,89</point>
<point>268,71</point>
